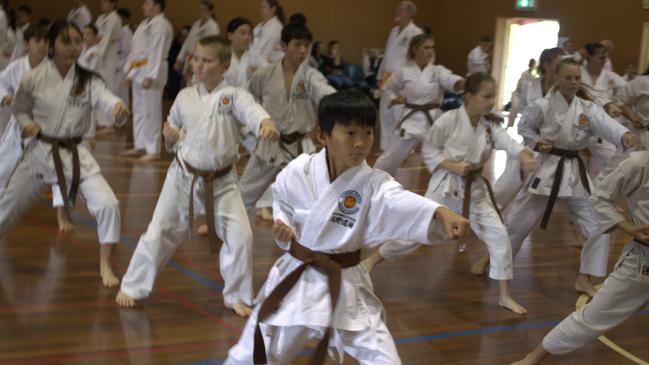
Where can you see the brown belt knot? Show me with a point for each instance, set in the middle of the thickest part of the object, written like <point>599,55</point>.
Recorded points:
<point>208,197</point>
<point>468,182</point>
<point>69,143</point>
<point>290,139</point>
<point>329,264</point>
<point>558,176</point>
<point>419,108</point>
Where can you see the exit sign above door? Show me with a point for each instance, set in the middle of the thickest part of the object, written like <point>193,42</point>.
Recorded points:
<point>526,5</point>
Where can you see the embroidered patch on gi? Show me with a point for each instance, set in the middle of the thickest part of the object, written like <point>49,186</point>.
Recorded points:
<point>225,104</point>
<point>349,202</point>
<point>583,122</point>
<point>300,91</point>
<point>489,137</point>
<point>644,270</point>
<point>536,182</point>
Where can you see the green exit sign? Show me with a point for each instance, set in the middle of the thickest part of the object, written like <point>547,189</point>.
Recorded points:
<point>526,4</point>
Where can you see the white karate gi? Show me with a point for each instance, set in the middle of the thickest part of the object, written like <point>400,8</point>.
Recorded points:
<point>477,61</point>
<point>266,41</point>
<point>196,32</point>
<point>343,215</point>
<point>48,99</point>
<point>148,59</point>
<point>7,40</point>
<point>20,49</point>
<point>109,28</point>
<point>11,148</point>
<point>293,114</point>
<point>626,290</point>
<point>636,94</point>
<point>209,123</point>
<point>124,48</point>
<point>420,87</point>
<point>454,138</point>
<point>395,56</point>
<point>570,127</point>
<point>92,60</point>
<point>80,16</point>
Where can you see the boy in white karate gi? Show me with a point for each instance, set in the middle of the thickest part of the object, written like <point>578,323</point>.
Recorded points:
<point>626,290</point>
<point>203,130</point>
<point>327,206</point>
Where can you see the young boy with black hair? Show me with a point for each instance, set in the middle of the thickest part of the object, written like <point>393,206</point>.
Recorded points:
<point>327,206</point>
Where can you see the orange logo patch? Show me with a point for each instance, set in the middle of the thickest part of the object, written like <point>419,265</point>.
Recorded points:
<point>226,101</point>
<point>349,202</point>
<point>252,69</point>
<point>583,120</point>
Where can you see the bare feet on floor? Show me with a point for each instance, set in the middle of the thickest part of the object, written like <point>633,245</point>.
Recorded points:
<point>265,214</point>
<point>480,267</point>
<point>63,218</point>
<point>124,301</point>
<point>133,152</point>
<point>512,305</point>
<point>108,278</point>
<point>584,285</point>
<point>240,309</point>
<point>149,158</point>
<point>202,230</point>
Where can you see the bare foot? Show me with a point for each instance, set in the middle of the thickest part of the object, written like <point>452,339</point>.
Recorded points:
<point>133,152</point>
<point>149,158</point>
<point>240,309</point>
<point>123,300</point>
<point>108,278</point>
<point>480,267</point>
<point>523,362</point>
<point>583,285</point>
<point>202,230</point>
<point>65,223</point>
<point>512,305</point>
<point>533,358</point>
<point>265,214</point>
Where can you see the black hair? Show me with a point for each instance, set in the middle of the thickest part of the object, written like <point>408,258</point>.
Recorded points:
<point>297,19</point>
<point>314,47</point>
<point>333,43</point>
<point>474,82</point>
<point>124,13</point>
<point>161,4</point>
<point>531,62</point>
<point>346,107</point>
<point>92,27</point>
<point>592,48</point>
<point>646,73</point>
<point>235,23</point>
<point>25,9</point>
<point>485,39</point>
<point>416,42</point>
<point>35,31</point>
<point>279,11</point>
<point>45,21</point>
<point>547,56</point>
<point>61,28</point>
<point>294,31</point>
<point>208,4</point>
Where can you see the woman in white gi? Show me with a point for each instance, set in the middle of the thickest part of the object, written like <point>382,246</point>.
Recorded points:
<point>267,35</point>
<point>79,15</point>
<point>560,125</point>
<point>108,25</point>
<point>7,38</point>
<point>53,104</point>
<point>327,206</point>
<point>125,40</point>
<point>203,27</point>
<point>479,59</point>
<point>419,86</point>
<point>396,50</point>
<point>634,99</point>
<point>203,128</point>
<point>457,147</point>
<point>147,69</point>
<point>626,291</point>
<point>511,181</point>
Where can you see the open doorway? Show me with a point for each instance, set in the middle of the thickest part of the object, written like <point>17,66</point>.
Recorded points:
<point>643,62</point>
<point>517,41</point>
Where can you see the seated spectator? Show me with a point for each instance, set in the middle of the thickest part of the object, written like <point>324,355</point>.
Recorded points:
<point>333,68</point>
<point>371,62</point>
<point>316,60</point>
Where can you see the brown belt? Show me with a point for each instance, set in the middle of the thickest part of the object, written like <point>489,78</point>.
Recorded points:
<point>290,139</point>
<point>558,176</point>
<point>208,179</point>
<point>70,144</point>
<point>468,181</point>
<point>331,265</point>
<point>419,108</point>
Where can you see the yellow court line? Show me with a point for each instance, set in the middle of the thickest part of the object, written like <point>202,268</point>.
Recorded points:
<point>582,301</point>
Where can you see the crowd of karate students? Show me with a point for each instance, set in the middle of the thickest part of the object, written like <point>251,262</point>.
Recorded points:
<point>66,82</point>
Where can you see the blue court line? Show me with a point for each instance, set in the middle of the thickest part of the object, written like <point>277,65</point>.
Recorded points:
<point>86,221</point>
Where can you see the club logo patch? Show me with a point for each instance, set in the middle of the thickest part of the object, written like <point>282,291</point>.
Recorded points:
<point>349,202</point>
<point>300,91</point>
<point>225,104</point>
<point>583,121</point>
